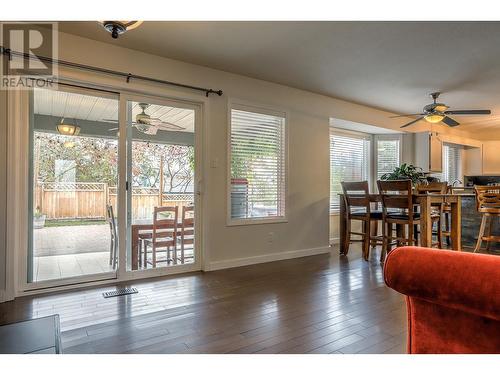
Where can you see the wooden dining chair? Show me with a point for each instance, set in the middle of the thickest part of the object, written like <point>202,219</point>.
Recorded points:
<point>113,245</point>
<point>187,229</point>
<point>397,209</point>
<point>164,235</point>
<point>358,207</point>
<point>488,205</point>
<point>437,214</point>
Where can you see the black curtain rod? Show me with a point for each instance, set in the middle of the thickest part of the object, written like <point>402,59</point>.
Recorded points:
<point>128,76</point>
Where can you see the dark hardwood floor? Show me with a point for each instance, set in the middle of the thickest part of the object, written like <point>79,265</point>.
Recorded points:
<point>317,304</point>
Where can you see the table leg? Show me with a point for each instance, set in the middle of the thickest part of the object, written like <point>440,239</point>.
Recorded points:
<point>456,224</point>
<point>425,222</point>
<point>135,245</point>
<point>344,245</point>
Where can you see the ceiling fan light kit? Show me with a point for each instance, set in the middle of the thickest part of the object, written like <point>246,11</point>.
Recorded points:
<point>438,112</point>
<point>434,118</point>
<point>67,129</point>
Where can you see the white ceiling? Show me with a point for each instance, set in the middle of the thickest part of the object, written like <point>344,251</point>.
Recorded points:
<point>93,108</point>
<point>388,65</point>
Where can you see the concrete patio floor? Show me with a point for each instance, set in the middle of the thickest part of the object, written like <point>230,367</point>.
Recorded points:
<point>76,250</point>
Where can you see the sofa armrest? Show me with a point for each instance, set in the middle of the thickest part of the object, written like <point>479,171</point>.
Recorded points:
<point>459,280</point>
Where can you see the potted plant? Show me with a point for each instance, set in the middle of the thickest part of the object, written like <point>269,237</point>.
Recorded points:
<point>38,219</point>
<point>406,172</point>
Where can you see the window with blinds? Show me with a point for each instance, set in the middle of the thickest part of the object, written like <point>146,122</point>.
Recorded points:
<point>387,155</point>
<point>257,156</point>
<point>349,161</point>
<point>452,163</point>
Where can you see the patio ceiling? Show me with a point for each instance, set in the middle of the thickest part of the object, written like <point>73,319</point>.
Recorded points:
<point>92,108</point>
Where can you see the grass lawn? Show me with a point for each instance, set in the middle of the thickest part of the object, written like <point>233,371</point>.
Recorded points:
<point>65,223</point>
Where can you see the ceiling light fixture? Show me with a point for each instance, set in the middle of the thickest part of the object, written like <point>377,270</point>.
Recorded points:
<point>434,118</point>
<point>116,28</point>
<point>67,129</point>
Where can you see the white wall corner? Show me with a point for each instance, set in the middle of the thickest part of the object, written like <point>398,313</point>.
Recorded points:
<point>239,262</point>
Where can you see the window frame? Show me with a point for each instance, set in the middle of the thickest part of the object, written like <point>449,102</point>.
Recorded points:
<point>383,137</point>
<point>369,165</point>
<point>243,105</point>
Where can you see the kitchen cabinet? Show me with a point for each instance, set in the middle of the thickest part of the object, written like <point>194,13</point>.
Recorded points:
<point>429,152</point>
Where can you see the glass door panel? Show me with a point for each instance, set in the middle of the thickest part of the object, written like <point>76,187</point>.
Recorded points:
<point>74,174</point>
<point>161,179</point>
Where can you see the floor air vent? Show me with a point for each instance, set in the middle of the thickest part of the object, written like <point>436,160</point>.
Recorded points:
<point>120,292</point>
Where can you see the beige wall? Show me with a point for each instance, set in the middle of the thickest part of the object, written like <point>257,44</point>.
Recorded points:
<point>491,157</point>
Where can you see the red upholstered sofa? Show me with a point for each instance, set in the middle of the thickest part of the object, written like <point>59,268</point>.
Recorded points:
<point>452,298</point>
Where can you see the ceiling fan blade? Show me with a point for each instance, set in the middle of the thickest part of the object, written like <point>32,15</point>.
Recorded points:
<point>411,122</point>
<point>110,130</point>
<point>109,120</point>
<point>165,125</point>
<point>152,130</point>
<point>409,115</point>
<point>469,112</point>
<point>449,121</point>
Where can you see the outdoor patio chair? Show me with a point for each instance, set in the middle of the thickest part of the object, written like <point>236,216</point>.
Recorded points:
<point>187,228</point>
<point>113,246</point>
<point>164,236</point>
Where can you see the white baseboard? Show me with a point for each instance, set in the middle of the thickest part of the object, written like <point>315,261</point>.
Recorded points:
<point>334,241</point>
<point>239,262</point>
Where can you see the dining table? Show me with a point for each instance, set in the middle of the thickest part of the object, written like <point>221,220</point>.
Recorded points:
<point>425,202</point>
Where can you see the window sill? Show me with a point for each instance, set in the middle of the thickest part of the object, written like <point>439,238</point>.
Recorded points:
<point>257,221</point>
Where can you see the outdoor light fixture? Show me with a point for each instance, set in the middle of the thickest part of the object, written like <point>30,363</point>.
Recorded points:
<point>434,118</point>
<point>67,129</point>
<point>117,28</point>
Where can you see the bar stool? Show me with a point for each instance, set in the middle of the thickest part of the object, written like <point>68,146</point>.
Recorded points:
<point>358,207</point>
<point>437,208</point>
<point>488,204</point>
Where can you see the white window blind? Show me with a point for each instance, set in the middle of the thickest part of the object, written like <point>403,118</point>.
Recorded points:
<point>388,156</point>
<point>257,165</point>
<point>452,163</point>
<point>349,161</point>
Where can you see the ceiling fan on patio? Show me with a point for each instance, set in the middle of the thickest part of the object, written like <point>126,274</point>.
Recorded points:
<point>438,112</point>
<point>147,124</point>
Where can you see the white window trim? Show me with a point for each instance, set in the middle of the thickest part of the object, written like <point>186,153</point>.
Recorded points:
<point>240,104</point>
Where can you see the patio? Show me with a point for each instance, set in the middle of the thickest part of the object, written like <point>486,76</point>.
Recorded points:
<point>75,250</point>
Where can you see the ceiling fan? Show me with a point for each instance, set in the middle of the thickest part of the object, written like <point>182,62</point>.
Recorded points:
<point>147,124</point>
<point>438,112</point>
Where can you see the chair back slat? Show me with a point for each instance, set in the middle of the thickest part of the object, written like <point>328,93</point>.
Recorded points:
<point>187,229</point>
<point>396,194</point>
<point>356,195</point>
<point>433,187</point>
<point>111,220</point>
<point>487,198</point>
<point>165,224</point>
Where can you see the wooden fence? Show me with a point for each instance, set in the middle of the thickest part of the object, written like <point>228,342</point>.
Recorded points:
<point>88,200</point>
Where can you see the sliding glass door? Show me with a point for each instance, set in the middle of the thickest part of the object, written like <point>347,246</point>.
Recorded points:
<point>74,181</point>
<point>161,175</point>
<point>113,186</point>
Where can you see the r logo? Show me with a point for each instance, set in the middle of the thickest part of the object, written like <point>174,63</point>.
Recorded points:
<point>35,40</point>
